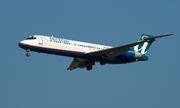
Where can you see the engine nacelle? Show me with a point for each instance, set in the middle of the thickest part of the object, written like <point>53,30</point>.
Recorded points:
<point>137,55</point>
<point>131,54</point>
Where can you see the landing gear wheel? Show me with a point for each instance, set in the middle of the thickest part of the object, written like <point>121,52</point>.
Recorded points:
<point>102,62</point>
<point>89,67</point>
<point>28,54</point>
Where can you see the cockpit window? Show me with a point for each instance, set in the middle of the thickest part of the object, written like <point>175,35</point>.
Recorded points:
<point>31,37</point>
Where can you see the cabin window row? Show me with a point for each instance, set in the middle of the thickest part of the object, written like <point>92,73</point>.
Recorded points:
<point>77,45</point>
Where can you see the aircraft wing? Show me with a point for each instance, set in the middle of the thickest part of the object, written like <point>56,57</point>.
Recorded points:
<point>77,63</point>
<point>113,52</point>
<point>109,53</point>
<point>157,36</point>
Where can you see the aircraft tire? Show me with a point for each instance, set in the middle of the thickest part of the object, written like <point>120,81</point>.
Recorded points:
<point>102,62</point>
<point>28,54</point>
<point>89,67</point>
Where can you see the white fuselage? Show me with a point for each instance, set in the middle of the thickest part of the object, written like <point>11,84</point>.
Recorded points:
<point>86,54</point>
<point>64,45</point>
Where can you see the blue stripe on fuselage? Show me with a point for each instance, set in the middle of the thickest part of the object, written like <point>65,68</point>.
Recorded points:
<point>51,50</point>
<point>128,54</point>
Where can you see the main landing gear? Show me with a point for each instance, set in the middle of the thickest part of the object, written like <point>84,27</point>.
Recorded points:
<point>103,62</point>
<point>28,54</point>
<point>89,67</point>
<point>104,59</point>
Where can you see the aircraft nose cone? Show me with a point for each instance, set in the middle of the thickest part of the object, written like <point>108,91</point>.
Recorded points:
<point>19,44</point>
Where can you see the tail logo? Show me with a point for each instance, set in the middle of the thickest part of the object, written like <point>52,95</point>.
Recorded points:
<point>142,47</point>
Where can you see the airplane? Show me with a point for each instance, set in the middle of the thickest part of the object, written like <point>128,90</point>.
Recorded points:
<point>86,54</point>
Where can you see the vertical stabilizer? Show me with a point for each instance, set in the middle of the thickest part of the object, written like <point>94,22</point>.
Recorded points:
<point>143,48</point>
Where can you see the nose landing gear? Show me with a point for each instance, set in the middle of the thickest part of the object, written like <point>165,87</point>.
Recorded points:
<point>28,54</point>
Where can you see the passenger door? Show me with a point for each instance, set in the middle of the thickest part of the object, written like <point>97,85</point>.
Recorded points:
<point>40,40</point>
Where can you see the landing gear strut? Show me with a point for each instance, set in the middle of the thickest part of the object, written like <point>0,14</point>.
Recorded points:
<point>28,54</point>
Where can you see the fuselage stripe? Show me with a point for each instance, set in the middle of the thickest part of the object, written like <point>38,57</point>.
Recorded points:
<point>52,49</point>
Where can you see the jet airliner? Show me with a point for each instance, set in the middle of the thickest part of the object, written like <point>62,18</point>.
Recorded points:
<point>86,54</point>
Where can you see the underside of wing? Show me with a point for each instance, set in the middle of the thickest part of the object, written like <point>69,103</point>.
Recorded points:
<point>79,63</point>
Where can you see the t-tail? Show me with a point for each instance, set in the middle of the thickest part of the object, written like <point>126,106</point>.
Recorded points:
<point>143,48</point>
